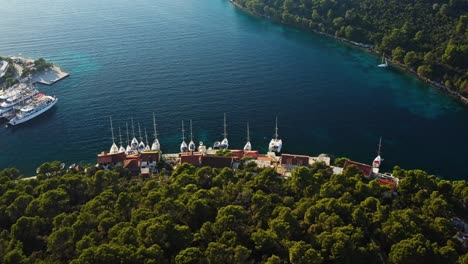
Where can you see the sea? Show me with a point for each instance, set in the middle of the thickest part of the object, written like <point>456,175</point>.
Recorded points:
<point>196,60</point>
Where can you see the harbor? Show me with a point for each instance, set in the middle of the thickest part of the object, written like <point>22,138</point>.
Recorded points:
<point>20,99</point>
<point>145,159</point>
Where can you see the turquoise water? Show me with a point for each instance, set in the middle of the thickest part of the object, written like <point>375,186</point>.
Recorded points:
<point>194,59</point>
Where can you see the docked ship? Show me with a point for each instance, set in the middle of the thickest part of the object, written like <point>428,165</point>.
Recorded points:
<point>248,145</point>
<point>15,98</point>
<point>183,145</point>
<point>378,160</point>
<point>40,104</point>
<point>276,143</point>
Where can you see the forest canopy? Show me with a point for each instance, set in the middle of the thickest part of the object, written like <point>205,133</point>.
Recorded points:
<point>429,37</point>
<point>205,215</point>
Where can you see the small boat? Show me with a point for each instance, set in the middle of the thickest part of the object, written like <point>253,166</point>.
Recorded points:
<point>224,143</point>
<point>384,62</point>
<point>114,149</point>
<point>183,145</point>
<point>378,160</point>
<point>62,166</point>
<point>248,146</point>
<point>191,145</point>
<point>37,170</point>
<point>276,143</point>
<point>155,146</point>
<point>216,145</point>
<point>71,167</point>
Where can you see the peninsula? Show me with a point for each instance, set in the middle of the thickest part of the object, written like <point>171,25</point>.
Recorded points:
<point>429,40</point>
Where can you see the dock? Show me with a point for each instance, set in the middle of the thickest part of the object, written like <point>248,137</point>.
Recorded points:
<point>49,77</point>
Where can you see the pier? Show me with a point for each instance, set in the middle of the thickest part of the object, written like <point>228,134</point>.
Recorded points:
<point>50,76</point>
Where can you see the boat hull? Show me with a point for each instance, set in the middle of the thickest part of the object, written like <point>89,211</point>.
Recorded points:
<point>15,121</point>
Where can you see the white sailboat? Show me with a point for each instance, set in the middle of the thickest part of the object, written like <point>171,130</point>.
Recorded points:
<point>276,143</point>
<point>147,147</point>
<point>141,145</point>
<point>155,146</point>
<point>114,149</point>
<point>134,143</point>
<point>121,148</point>
<point>384,62</point>
<point>128,149</point>
<point>191,145</point>
<point>378,160</point>
<point>183,145</point>
<point>248,146</point>
<point>224,143</point>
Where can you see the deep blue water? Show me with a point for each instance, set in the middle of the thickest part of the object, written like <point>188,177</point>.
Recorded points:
<point>195,59</point>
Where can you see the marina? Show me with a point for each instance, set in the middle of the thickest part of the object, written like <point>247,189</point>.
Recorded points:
<point>142,160</point>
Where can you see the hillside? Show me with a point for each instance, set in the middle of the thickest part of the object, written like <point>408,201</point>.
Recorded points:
<point>430,38</point>
<point>204,215</point>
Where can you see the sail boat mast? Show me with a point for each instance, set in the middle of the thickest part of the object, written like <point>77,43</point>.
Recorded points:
<point>380,147</point>
<point>183,131</point>
<point>120,136</point>
<point>133,129</point>
<point>191,134</point>
<point>146,137</point>
<point>128,138</point>
<point>225,126</point>
<point>248,132</point>
<point>139,132</point>
<point>276,128</point>
<point>112,130</point>
<point>154,127</point>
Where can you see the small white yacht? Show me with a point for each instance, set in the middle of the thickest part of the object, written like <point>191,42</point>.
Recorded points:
<point>134,142</point>
<point>39,105</point>
<point>183,145</point>
<point>128,149</point>
<point>141,145</point>
<point>378,160</point>
<point>114,149</point>
<point>248,145</point>
<point>384,63</point>
<point>276,143</point>
<point>121,148</point>
<point>191,145</point>
<point>224,143</point>
<point>147,147</point>
<point>155,146</point>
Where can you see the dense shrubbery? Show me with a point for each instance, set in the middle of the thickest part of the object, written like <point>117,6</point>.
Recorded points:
<point>431,37</point>
<point>208,215</point>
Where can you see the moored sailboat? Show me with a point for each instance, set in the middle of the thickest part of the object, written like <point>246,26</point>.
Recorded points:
<point>183,145</point>
<point>248,145</point>
<point>384,62</point>
<point>276,143</point>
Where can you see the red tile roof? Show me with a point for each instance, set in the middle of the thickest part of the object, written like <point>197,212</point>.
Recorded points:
<point>389,183</point>
<point>131,164</point>
<point>365,169</point>
<point>296,160</point>
<point>193,158</point>
<point>251,153</point>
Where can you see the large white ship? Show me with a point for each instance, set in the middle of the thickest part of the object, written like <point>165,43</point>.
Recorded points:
<point>40,104</point>
<point>23,95</point>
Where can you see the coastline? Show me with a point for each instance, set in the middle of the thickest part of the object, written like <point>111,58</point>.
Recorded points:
<point>369,48</point>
